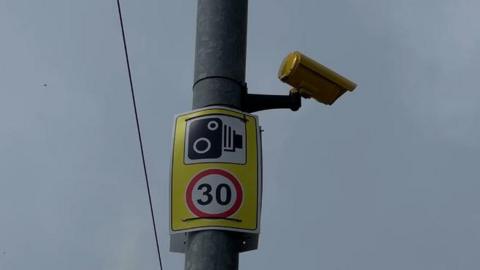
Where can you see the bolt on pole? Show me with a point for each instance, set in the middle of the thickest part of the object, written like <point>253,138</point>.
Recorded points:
<point>219,79</point>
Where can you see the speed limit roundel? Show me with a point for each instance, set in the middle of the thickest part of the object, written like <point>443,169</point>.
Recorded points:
<point>214,193</point>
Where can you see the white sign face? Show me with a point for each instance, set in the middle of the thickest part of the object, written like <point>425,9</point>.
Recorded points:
<point>214,193</point>
<point>219,139</point>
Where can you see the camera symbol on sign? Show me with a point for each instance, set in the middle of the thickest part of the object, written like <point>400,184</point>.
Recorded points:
<point>215,139</point>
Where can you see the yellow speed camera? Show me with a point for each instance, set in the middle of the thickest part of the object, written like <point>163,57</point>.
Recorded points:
<point>312,79</point>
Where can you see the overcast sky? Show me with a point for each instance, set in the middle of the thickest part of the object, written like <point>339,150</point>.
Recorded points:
<point>387,178</point>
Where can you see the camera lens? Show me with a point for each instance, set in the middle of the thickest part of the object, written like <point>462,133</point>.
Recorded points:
<point>201,145</point>
<point>212,125</point>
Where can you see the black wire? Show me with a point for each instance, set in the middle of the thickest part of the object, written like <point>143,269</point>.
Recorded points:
<point>139,134</point>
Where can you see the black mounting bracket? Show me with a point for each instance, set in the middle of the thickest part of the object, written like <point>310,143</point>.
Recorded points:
<point>257,102</point>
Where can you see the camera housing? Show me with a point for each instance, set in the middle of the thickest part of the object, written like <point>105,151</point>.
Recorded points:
<point>312,79</point>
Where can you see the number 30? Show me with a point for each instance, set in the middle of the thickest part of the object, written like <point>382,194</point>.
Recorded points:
<point>208,198</point>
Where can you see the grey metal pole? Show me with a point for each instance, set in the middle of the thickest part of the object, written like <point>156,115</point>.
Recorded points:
<point>220,53</point>
<point>219,79</point>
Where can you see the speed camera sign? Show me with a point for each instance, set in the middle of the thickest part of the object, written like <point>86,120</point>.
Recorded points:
<point>216,175</point>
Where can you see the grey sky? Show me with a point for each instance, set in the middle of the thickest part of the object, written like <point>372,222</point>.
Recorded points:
<point>387,178</point>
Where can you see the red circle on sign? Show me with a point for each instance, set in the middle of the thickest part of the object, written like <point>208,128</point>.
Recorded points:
<point>199,213</point>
